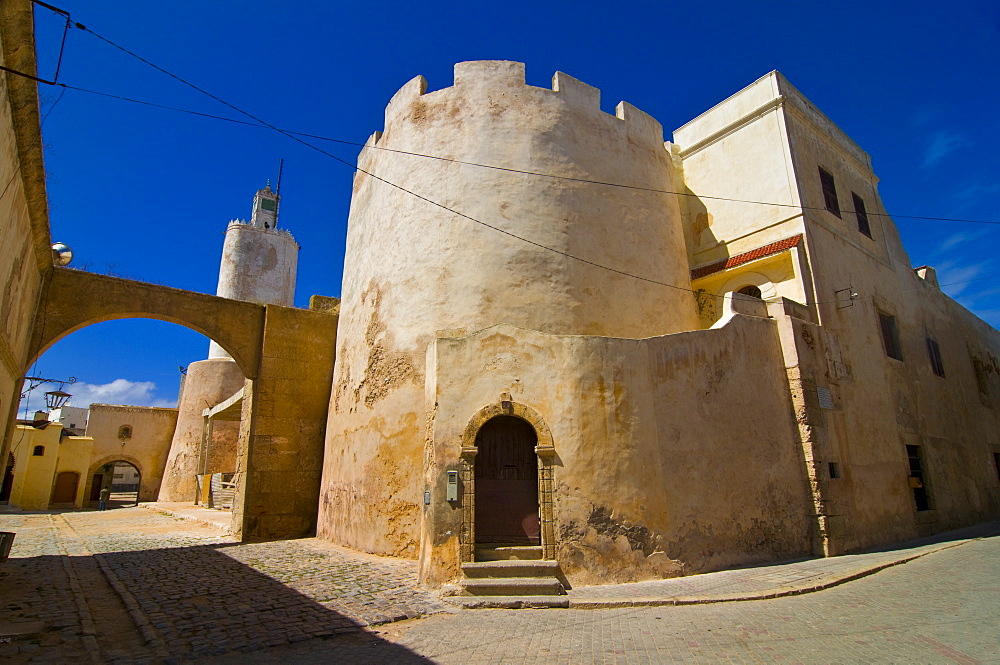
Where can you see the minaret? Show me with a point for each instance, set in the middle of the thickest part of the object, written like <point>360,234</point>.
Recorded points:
<point>259,260</point>
<point>259,263</point>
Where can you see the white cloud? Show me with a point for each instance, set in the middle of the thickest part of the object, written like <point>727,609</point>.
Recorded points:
<point>942,143</point>
<point>119,391</point>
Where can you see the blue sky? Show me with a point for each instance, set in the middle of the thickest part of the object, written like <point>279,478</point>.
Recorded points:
<point>147,193</point>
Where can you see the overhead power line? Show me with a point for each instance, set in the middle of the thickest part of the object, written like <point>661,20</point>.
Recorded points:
<point>507,169</point>
<point>259,122</point>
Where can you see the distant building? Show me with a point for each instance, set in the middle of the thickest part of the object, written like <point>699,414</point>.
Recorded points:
<point>124,449</point>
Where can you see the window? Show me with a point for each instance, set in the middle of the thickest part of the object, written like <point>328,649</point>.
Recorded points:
<point>920,495</point>
<point>981,379</point>
<point>859,210</point>
<point>996,463</point>
<point>125,432</point>
<point>752,291</point>
<point>834,470</point>
<point>890,336</point>
<point>934,351</point>
<point>829,191</point>
<point>39,451</point>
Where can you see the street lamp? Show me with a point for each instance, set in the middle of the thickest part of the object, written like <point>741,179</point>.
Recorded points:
<point>54,399</point>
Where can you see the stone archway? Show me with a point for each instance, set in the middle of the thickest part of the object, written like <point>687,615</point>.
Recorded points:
<point>97,465</point>
<point>74,299</point>
<point>545,452</point>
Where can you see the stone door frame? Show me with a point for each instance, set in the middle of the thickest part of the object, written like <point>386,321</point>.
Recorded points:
<point>545,451</point>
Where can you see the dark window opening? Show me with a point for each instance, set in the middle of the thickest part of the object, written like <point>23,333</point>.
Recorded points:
<point>981,379</point>
<point>920,495</point>
<point>859,210</point>
<point>996,463</point>
<point>829,191</point>
<point>752,291</point>
<point>39,451</point>
<point>834,470</point>
<point>890,336</point>
<point>934,351</point>
<point>125,432</point>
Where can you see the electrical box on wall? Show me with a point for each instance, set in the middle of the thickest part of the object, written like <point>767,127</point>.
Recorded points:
<point>451,493</point>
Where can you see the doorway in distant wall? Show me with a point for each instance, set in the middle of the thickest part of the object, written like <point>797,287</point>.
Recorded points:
<point>123,479</point>
<point>7,484</point>
<point>65,488</point>
<point>506,483</point>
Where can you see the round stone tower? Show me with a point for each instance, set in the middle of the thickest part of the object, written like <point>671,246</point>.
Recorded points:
<point>259,263</point>
<point>452,246</point>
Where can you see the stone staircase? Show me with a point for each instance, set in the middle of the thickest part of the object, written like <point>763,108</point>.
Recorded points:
<point>511,577</point>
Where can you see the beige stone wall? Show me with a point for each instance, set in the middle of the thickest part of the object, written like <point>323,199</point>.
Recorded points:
<point>673,454</point>
<point>280,459</point>
<point>413,268</point>
<point>24,251</point>
<point>207,383</point>
<point>152,431</point>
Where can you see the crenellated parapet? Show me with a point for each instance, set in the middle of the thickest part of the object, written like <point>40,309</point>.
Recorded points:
<point>245,224</point>
<point>497,84</point>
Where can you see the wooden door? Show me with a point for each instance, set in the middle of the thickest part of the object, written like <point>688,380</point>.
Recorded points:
<point>506,473</point>
<point>65,489</point>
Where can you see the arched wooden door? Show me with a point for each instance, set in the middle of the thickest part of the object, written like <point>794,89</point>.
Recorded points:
<point>506,482</point>
<point>65,489</point>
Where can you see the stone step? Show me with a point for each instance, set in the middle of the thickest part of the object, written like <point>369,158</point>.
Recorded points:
<point>511,568</point>
<point>512,586</point>
<point>502,552</point>
<point>508,602</point>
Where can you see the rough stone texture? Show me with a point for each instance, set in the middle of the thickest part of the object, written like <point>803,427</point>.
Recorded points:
<point>412,268</point>
<point>280,458</point>
<point>25,255</point>
<point>636,438</point>
<point>207,383</point>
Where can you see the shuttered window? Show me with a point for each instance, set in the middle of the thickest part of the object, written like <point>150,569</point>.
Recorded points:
<point>829,191</point>
<point>862,214</point>
<point>890,336</point>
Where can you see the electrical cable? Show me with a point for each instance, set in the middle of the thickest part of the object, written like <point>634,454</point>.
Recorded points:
<point>295,137</point>
<point>509,169</point>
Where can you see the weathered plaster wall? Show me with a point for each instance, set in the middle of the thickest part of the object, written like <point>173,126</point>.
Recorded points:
<point>674,454</point>
<point>152,431</point>
<point>207,383</point>
<point>413,268</point>
<point>25,254</point>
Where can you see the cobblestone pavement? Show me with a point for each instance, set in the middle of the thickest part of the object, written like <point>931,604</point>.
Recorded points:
<point>134,586</point>
<point>182,590</point>
<point>942,608</point>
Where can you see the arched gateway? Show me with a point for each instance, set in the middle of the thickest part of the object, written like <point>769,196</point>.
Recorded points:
<point>269,344</point>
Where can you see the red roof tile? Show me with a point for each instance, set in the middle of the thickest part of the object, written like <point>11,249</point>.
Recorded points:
<point>746,257</point>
